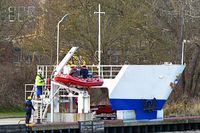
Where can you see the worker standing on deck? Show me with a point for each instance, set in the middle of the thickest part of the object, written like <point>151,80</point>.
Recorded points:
<point>75,71</point>
<point>29,108</point>
<point>84,72</point>
<point>39,82</point>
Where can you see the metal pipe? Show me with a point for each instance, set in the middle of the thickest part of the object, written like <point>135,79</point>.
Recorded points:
<point>58,28</point>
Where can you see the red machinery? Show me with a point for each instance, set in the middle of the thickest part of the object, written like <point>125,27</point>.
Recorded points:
<point>104,112</point>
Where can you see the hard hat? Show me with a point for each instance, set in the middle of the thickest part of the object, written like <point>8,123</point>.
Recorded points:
<point>39,71</point>
<point>29,98</point>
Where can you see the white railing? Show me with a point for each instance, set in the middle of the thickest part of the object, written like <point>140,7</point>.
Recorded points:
<point>29,90</point>
<point>107,71</point>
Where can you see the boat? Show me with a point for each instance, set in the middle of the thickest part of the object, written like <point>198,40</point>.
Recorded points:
<point>143,88</point>
<point>85,82</point>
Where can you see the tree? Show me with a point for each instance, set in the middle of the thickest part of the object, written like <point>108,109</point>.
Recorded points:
<point>138,32</point>
<point>182,19</point>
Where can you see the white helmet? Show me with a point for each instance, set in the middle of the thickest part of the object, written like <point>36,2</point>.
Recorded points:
<point>39,71</point>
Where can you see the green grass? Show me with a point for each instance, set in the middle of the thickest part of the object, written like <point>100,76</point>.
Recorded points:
<point>11,112</point>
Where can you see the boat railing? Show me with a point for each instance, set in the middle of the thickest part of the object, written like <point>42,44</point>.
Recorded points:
<point>106,71</point>
<point>29,90</point>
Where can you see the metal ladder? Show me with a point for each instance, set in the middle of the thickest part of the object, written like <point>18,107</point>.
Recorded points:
<point>41,106</point>
<point>45,103</point>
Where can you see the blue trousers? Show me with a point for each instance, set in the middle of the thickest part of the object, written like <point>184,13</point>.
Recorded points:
<point>39,90</point>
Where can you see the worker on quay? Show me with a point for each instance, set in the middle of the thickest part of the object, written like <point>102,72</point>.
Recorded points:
<point>29,108</point>
<point>40,83</point>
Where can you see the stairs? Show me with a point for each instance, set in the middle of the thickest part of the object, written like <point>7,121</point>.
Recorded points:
<point>41,107</point>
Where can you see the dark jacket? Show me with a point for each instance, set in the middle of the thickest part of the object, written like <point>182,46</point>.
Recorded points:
<point>75,72</point>
<point>84,72</point>
<point>29,105</point>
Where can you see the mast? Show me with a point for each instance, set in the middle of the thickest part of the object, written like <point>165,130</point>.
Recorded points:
<point>99,39</point>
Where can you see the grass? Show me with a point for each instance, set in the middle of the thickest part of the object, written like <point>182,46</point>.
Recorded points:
<point>11,114</point>
<point>184,107</point>
<point>6,112</point>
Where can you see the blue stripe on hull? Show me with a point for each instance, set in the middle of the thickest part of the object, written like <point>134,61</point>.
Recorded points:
<point>138,106</point>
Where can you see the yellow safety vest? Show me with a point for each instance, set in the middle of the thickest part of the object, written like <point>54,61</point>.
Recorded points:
<point>39,80</point>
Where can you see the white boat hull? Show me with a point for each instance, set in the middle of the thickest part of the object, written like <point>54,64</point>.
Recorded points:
<point>138,87</point>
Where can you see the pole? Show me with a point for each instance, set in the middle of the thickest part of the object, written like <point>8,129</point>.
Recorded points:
<point>182,54</point>
<point>99,39</point>
<point>99,42</point>
<point>52,100</point>
<point>58,28</point>
<point>183,50</point>
<point>180,35</point>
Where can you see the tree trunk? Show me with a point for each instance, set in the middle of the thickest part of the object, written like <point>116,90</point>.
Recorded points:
<point>192,72</point>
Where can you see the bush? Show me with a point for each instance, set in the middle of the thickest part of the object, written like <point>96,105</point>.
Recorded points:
<point>13,79</point>
<point>185,106</point>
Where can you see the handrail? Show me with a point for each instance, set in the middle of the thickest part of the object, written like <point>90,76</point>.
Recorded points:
<point>29,91</point>
<point>107,71</point>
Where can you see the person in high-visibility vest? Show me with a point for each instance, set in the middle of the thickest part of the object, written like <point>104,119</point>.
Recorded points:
<point>29,108</point>
<point>39,82</point>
